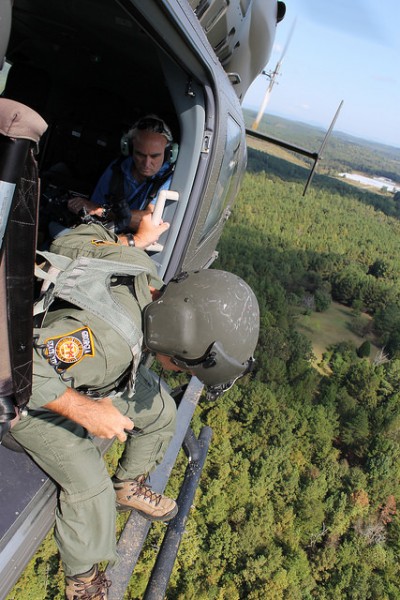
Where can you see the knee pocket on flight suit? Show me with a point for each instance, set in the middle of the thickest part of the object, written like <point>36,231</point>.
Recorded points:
<point>104,486</point>
<point>160,448</point>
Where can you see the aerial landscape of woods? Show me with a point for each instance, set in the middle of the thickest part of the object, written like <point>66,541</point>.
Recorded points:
<point>299,496</point>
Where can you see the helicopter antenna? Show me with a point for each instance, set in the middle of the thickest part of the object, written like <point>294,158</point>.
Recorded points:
<point>272,75</point>
<point>315,156</point>
<point>324,142</point>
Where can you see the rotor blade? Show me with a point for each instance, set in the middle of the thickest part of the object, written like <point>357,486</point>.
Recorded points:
<point>289,37</point>
<point>263,106</point>
<point>273,75</point>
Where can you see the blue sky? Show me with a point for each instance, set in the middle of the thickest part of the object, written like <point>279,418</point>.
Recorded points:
<point>339,50</point>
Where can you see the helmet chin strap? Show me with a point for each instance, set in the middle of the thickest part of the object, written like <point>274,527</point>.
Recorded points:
<point>203,368</point>
<point>214,391</point>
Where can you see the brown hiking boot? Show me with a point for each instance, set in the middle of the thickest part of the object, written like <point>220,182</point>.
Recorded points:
<point>92,585</point>
<point>137,495</point>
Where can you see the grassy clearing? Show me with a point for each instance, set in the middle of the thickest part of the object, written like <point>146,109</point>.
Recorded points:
<point>331,327</point>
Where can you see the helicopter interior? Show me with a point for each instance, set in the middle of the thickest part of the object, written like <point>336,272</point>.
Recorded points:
<point>91,71</point>
<point>91,74</point>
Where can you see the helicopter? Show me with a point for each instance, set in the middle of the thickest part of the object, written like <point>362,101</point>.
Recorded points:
<point>91,73</point>
<point>90,70</point>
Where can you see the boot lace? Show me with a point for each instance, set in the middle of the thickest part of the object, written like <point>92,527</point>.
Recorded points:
<point>87,590</point>
<point>140,488</point>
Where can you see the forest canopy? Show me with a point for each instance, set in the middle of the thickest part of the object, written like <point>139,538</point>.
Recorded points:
<point>299,498</point>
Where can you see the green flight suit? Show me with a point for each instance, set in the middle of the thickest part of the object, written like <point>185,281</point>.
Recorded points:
<point>76,348</point>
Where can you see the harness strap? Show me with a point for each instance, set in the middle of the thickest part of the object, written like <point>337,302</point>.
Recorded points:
<point>86,282</point>
<point>78,276</point>
<point>157,183</point>
<point>117,190</point>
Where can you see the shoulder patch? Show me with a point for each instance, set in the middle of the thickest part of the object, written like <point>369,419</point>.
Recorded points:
<point>67,350</point>
<point>104,243</point>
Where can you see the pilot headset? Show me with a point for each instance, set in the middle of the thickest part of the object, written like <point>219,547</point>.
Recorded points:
<point>156,125</point>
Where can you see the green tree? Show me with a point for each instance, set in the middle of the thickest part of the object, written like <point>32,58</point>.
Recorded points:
<point>322,299</point>
<point>393,344</point>
<point>364,350</point>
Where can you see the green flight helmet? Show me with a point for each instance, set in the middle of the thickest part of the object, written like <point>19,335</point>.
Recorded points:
<point>208,322</point>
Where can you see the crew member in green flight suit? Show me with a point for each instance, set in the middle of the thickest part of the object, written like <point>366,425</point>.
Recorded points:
<point>205,323</point>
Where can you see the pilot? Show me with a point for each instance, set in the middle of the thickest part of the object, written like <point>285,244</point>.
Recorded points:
<point>205,323</point>
<point>130,185</point>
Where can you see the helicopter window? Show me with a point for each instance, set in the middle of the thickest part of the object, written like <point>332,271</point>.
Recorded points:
<point>223,192</point>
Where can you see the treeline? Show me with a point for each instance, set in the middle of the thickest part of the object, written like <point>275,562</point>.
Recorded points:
<point>278,168</point>
<point>342,153</point>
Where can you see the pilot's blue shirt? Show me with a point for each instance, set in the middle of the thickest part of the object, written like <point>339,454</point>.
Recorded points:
<point>135,193</point>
